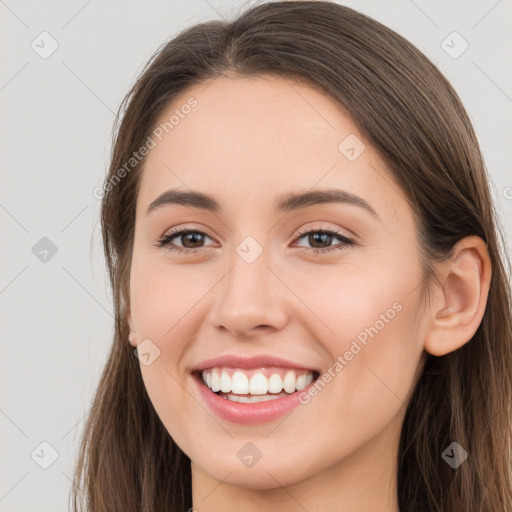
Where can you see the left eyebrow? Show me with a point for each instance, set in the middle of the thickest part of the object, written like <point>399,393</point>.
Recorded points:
<point>285,203</point>
<point>296,201</point>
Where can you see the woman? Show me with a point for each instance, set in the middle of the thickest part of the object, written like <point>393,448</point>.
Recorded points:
<point>304,259</point>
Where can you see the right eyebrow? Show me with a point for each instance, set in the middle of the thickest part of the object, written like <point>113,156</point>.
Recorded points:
<point>285,203</point>
<point>191,199</point>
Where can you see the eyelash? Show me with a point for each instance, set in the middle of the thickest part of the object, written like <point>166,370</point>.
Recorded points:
<point>166,240</point>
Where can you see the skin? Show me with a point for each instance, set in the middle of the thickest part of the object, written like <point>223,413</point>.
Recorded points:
<point>248,141</point>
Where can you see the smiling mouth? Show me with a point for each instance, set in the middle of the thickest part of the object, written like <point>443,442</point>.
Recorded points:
<point>254,386</point>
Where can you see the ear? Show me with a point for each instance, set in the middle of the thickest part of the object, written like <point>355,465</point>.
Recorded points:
<point>132,336</point>
<point>461,297</point>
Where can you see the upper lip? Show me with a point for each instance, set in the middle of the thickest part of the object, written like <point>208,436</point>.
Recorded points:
<point>259,361</point>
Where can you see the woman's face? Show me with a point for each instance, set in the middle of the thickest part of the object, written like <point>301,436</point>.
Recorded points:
<point>259,280</point>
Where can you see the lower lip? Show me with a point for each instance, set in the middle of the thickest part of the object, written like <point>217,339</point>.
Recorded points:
<point>256,412</point>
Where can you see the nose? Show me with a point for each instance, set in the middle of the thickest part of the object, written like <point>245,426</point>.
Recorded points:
<point>250,299</point>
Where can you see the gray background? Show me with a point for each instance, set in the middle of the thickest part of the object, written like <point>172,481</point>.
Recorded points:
<point>57,113</point>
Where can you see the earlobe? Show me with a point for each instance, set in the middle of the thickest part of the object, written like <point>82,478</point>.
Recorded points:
<point>461,298</point>
<point>132,336</point>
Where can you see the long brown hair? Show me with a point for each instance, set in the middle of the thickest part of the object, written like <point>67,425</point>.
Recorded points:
<point>412,116</point>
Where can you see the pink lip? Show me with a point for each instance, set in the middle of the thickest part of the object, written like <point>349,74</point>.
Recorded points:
<point>261,361</point>
<point>258,412</point>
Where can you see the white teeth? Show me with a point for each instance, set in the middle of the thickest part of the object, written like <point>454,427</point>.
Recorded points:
<point>252,399</point>
<point>215,382</point>
<point>303,381</point>
<point>218,379</point>
<point>275,383</point>
<point>289,382</point>
<point>259,385</point>
<point>239,383</point>
<point>225,382</point>
<point>300,382</point>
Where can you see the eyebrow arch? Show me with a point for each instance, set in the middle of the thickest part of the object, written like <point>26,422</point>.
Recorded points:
<point>288,202</point>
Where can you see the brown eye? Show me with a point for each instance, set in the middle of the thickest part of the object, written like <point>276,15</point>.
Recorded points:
<point>191,240</point>
<point>325,236</point>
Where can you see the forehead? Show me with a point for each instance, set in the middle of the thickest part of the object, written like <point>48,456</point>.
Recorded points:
<point>248,139</point>
<point>262,118</point>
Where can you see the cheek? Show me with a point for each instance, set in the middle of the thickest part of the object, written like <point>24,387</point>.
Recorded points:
<point>161,308</point>
<point>162,297</point>
<point>366,320</point>
<point>366,316</point>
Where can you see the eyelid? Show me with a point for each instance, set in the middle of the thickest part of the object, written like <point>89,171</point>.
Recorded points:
<point>304,229</point>
<point>344,232</point>
<point>347,241</point>
<point>187,227</point>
